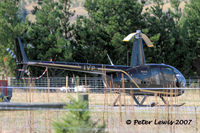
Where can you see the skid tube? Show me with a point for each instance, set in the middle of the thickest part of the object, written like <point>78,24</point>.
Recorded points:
<point>141,103</point>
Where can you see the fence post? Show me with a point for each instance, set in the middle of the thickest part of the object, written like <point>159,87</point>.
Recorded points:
<point>67,83</point>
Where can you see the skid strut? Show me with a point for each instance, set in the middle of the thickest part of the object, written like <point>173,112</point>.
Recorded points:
<point>137,101</point>
<point>114,104</point>
<point>134,98</point>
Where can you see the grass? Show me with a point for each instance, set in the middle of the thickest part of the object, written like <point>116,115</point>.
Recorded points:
<point>190,97</point>
<point>40,121</point>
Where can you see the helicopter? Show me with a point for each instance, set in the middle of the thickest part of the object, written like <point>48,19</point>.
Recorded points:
<point>138,79</point>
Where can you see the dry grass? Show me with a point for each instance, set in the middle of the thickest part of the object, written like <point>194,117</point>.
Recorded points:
<point>190,97</point>
<point>115,117</point>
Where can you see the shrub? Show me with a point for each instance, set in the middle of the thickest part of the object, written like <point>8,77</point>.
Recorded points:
<point>78,120</point>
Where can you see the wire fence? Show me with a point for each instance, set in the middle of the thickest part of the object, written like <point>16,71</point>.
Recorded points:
<point>100,106</point>
<point>93,82</point>
<point>59,82</point>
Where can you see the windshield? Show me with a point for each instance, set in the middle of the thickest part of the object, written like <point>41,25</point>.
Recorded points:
<point>180,78</point>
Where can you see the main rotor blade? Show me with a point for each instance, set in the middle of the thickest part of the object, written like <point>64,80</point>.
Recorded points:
<point>128,38</point>
<point>147,40</point>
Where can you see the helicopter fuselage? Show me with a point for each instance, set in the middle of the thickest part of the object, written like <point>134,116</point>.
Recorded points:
<point>150,79</point>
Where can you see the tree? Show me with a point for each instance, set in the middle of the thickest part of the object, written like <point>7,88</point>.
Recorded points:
<point>22,12</point>
<point>159,28</point>
<point>102,32</point>
<point>165,32</point>
<point>49,37</point>
<point>175,35</point>
<point>78,120</point>
<point>10,28</point>
<point>190,30</point>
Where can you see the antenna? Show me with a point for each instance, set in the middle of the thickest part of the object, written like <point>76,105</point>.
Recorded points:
<point>110,60</point>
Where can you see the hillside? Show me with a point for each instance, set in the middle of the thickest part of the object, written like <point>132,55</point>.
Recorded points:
<point>77,6</point>
<point>167,6</point>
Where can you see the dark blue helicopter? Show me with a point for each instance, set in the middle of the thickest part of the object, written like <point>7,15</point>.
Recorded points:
<point>137,79</point>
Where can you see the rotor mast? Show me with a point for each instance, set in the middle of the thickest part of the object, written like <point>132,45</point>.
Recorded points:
<point>137,56</point>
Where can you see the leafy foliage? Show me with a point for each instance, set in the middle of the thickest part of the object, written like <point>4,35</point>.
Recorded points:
<point>190,31</point>
<point>49,35</point>
<point>159,28</point>
<point>10,28</point>
<point>165,32</point>
<point>108,23</point>
<point>78,120</point>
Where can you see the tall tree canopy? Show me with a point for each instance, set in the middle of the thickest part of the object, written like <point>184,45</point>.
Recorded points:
<point>163,29</point>
<point>49,35</point>
<point>110,21</point>
<point>10,28</point>
<point>102,32</point>
<point>190,31</point>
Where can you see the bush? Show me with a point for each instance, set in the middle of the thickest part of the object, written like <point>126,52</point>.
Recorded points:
<point>78,120</point>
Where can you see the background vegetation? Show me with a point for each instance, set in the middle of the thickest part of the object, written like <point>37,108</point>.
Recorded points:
<point>175,32</point>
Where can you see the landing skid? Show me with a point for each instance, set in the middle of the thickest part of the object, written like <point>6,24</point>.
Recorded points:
<point>167,104</point>
<point>173,105</point>
<point>141,103</point>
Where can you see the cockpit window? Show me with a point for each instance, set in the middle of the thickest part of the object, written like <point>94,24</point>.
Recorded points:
<point>168,74</point>
<point>156,77</point>
<point>180,79</point>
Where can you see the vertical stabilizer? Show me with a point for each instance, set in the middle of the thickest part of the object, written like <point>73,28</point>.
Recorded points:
<point>137,57</point>
<point>21,59</point>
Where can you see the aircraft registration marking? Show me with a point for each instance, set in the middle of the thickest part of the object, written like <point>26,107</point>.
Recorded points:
<point>89,68</point>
